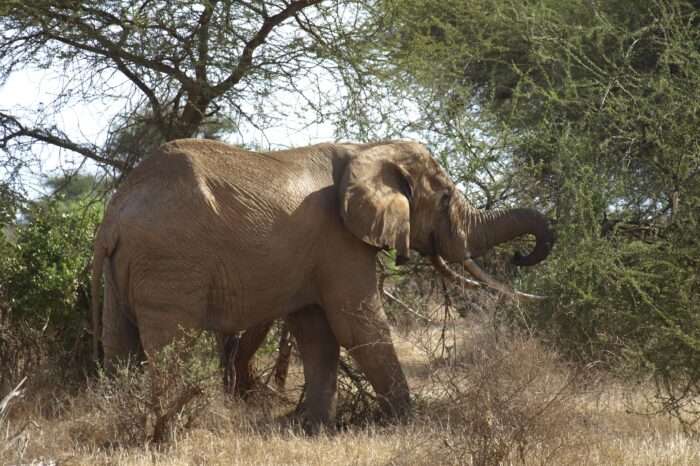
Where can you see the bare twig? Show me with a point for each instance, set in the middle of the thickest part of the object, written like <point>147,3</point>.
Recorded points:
<point>405,306</point>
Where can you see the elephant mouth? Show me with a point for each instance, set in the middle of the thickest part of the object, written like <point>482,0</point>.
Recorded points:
<point>482,279</point>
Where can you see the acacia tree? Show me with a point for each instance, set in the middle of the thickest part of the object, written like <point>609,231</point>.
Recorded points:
<point>172,66</point>
<point>589,110</point>
<point>177,69</point>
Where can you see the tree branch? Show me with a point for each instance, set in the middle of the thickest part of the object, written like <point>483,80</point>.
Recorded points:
<point>258,39</point>
<point>58,140</point>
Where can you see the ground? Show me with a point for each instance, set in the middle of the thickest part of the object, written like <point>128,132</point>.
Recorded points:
<point>481,396</point>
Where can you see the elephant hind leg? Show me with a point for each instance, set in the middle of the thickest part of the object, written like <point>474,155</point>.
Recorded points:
<point>320,354</point>
<point>120,335</point>
<point>236,358</point>
<point>121,341</point>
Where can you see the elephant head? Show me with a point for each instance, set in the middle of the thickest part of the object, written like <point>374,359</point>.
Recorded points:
<point>395,196</point>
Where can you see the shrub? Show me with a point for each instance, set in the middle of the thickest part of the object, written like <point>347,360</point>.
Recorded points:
<point>499,398</point>
<point>46,268</point>
<point>152,401</point>
<point>588,111</point>
<point>44,290</point>
<point>634,306</point>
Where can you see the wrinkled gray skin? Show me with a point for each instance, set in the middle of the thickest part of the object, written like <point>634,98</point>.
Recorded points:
<point>202,235</point>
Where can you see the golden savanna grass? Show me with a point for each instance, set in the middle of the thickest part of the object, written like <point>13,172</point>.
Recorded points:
<point>482,396</point>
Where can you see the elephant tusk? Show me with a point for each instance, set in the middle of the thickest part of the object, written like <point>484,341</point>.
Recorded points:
<point>482,277</point>
<point>451,275</point>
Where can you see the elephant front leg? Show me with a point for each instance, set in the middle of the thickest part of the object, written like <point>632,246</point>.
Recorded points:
<point>320,354</point>
<point>362,328</point>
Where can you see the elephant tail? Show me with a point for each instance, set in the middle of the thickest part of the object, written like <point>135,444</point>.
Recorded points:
<point>98,259</point>
<point>105,243</point>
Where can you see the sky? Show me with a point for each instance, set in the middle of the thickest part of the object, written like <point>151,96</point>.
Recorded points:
<point>30,89</point>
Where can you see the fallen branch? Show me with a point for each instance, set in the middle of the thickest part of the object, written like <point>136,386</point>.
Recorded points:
<point>17,392</point>
<point>5,403</point>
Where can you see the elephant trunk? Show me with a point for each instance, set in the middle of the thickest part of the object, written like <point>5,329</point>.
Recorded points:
<point>482,230</point>
<point>486,229</point>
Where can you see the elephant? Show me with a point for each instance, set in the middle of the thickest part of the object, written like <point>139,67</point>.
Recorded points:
<point>206,236</point>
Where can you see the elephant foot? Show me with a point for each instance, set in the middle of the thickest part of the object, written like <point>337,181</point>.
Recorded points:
<point>312,429</point>
<point>320,353</point>
<point>313,421</point>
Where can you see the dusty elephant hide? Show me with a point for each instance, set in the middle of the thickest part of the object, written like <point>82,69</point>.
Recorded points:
<point>203,235</point>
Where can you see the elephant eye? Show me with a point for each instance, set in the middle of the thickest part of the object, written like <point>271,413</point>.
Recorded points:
<point>445,200</point>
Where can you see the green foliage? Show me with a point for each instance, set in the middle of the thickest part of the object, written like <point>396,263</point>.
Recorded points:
<point>588,110</point>
<point>72,190</point>
<point>44,266</point>
<point>8,207</point>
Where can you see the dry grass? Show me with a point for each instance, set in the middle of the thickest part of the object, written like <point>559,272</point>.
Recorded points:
<point>481,397</point>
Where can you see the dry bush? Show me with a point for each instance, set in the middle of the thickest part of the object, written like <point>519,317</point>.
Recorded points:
<point>482,395</point>
<point>495,398</point>
<point>491,396</point>
<point>152,401</point>
<point>410,296</point>
<point>49,374</point>
<point>22,350</point>
<point>54,373</point>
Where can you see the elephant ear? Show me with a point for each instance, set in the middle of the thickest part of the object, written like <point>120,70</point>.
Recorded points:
<point>375,197</point>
